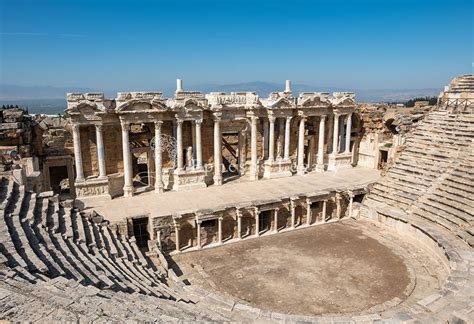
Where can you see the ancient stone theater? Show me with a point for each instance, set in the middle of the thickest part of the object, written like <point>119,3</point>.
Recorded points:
<point>297,207</point>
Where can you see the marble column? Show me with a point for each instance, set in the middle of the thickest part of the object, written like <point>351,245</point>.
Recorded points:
<point>271,139</point>
<point>275,219</point>
<point>158,158</point>
<point>219,229</point>
<point>287,138</point>
<point>292,211</point>
<point>265,139</point>
<point>198,144</point>
<point>323,212</point>
<point>76,138</point>
<point>176,229</point>
<point>179,144</point>
<point>217,151</point>
<point>308,212</point>
<point>335,137</point>
<point>198,234</point>
<point>100,151</point>
<point>301,131</point>
<point>322,124</point>
<point>351,201</point>
<point>338,205</point>
<point>348,134</point>
<point>127,161</point>
<point>281,131</point>
<point>257,222</point>
<point>239,224</point>
<point>253,145</point>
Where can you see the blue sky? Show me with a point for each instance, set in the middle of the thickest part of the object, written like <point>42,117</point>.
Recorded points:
<point>148,44</point>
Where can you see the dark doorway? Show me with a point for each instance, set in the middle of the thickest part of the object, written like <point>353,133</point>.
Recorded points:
<point>140,168</point>
<point>358,198</point>
<point>209,231</point>
<point>230,155</point>
<point>58,179</point>
<point>265,221</point>
<point>383,159</point>
<point>140,231</point>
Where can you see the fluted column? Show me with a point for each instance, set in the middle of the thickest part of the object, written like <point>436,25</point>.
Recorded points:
<point>253,146</point>
<point>76,138</point>
<point>301,131</point>
<point>100,151</point>
<point>127,161</point>
<point>287,138</point>
<point>348,134</point>
<point>335,137</point>
<point>198,144</point>
<point>322,125</point>
<point>179,144</point>
<point>271,139</point>
<point>158,158</point>
<point>217,151</point>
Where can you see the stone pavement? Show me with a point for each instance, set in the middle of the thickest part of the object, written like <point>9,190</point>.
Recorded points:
<point>229,194</point>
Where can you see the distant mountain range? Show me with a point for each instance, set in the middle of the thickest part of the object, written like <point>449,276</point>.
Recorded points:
<point>52,100</point>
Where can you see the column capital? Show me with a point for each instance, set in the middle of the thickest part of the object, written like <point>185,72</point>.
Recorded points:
<point>179,120</point>
<point>98,126</point>
<point>217,116</point>
<point>308,201</point>
<point>288,118</point>
<point>124,124</point>
<point>238,212</point>
<point>323,117</point>
<point>256,211</point>
<point>271,119</point>
<point>350,193</point>
<point>220,218</point>
<point>198,121</point>
<point>158,123</point>
<point>75,126</point>
<point>253,119</point>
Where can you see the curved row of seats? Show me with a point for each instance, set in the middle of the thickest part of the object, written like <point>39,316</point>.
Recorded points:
<point>51,254</point>
<point>427,195</point>
<point>432,177</point>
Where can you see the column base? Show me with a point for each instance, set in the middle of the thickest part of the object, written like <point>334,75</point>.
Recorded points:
<point>320,168</point>
<point>339,161</point>
<point>277,169</point>
<point>128,191</point>
<point>92,187</point>
<point>188,180</point>
<point>159,189</point>
<point>300,170</point>
<point>217,180</point>
<point>253,177</point>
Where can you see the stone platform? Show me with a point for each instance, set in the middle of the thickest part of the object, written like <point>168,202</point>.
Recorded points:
<point>233,193</point>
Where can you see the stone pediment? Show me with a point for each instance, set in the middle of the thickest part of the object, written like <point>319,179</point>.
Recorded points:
<point>85,107</point>
<point>281,103</point>
<point>313,99</point>
<point>343,99</point>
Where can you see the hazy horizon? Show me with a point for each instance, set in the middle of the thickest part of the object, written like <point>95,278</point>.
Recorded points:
<point>126,45</point>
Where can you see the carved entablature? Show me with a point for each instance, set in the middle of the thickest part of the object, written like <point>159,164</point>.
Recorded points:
<point>343,99</point>
<point>236,100</point>
<point>125,96</point>
<point>188,104</point>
